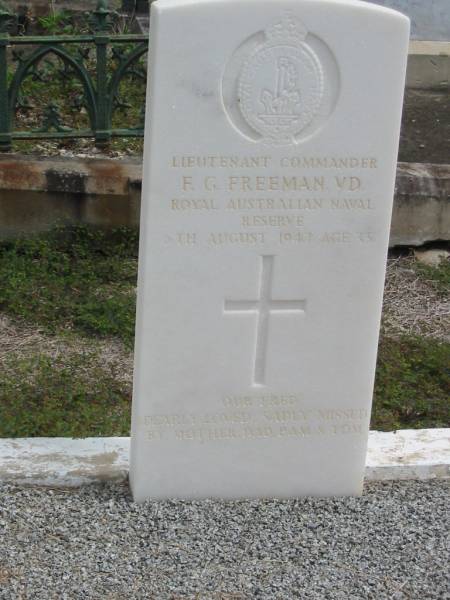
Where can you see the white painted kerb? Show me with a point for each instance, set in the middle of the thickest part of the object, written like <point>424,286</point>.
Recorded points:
<point>420,454</point>
<point>408,454</point>
<point>63,461</point>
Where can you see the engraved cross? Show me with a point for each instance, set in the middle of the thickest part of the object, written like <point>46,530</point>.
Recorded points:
<point>263,307</point>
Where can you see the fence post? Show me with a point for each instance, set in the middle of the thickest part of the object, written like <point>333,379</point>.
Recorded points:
<point>101,19</point>
<point>5,116</point>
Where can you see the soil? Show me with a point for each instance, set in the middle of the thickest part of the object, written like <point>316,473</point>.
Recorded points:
<point>425,136</point>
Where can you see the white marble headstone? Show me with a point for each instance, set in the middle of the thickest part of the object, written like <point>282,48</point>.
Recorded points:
<point>270,154</point>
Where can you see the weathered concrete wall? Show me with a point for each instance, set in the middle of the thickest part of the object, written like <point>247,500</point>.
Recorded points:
<point>422,204</point>
<point>429,65</point>
<point>78,176</point>
<point>36,194</point>
<point>430,19</point>
<point>28,212</point>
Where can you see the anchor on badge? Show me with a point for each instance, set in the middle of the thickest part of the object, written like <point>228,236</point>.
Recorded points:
<point>283,106</point>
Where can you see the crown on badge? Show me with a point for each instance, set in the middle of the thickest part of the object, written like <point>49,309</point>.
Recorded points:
<point>288,28</point>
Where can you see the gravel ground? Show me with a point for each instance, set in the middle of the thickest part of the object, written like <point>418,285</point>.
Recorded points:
<point>94,543</point>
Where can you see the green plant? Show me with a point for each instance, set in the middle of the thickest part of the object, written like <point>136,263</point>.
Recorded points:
<point>80,279</point>
<point>412,384</point>
<point>68,396</point>
<point>57,22</point>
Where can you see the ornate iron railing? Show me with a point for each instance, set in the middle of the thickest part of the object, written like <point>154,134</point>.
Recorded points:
<point>93,70</point>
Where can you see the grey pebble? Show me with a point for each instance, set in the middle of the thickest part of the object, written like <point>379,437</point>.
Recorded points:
<point>94,543</point>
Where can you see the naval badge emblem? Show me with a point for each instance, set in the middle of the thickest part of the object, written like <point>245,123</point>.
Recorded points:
<point>280,83</point>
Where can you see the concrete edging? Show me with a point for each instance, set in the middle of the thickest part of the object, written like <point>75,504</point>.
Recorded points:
<point>67,462</point>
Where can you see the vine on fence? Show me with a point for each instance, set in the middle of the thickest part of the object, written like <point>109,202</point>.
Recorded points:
<point>84,85</point>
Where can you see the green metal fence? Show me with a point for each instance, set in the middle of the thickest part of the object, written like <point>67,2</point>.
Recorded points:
<point>97,63</point>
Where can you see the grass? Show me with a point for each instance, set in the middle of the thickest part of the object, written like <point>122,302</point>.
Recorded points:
<point>438,277</point>
<point>412,387</point>
<point>82,280</point>
<point>78,279</point>
<point>73,396</point>
<point>64,397</point>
